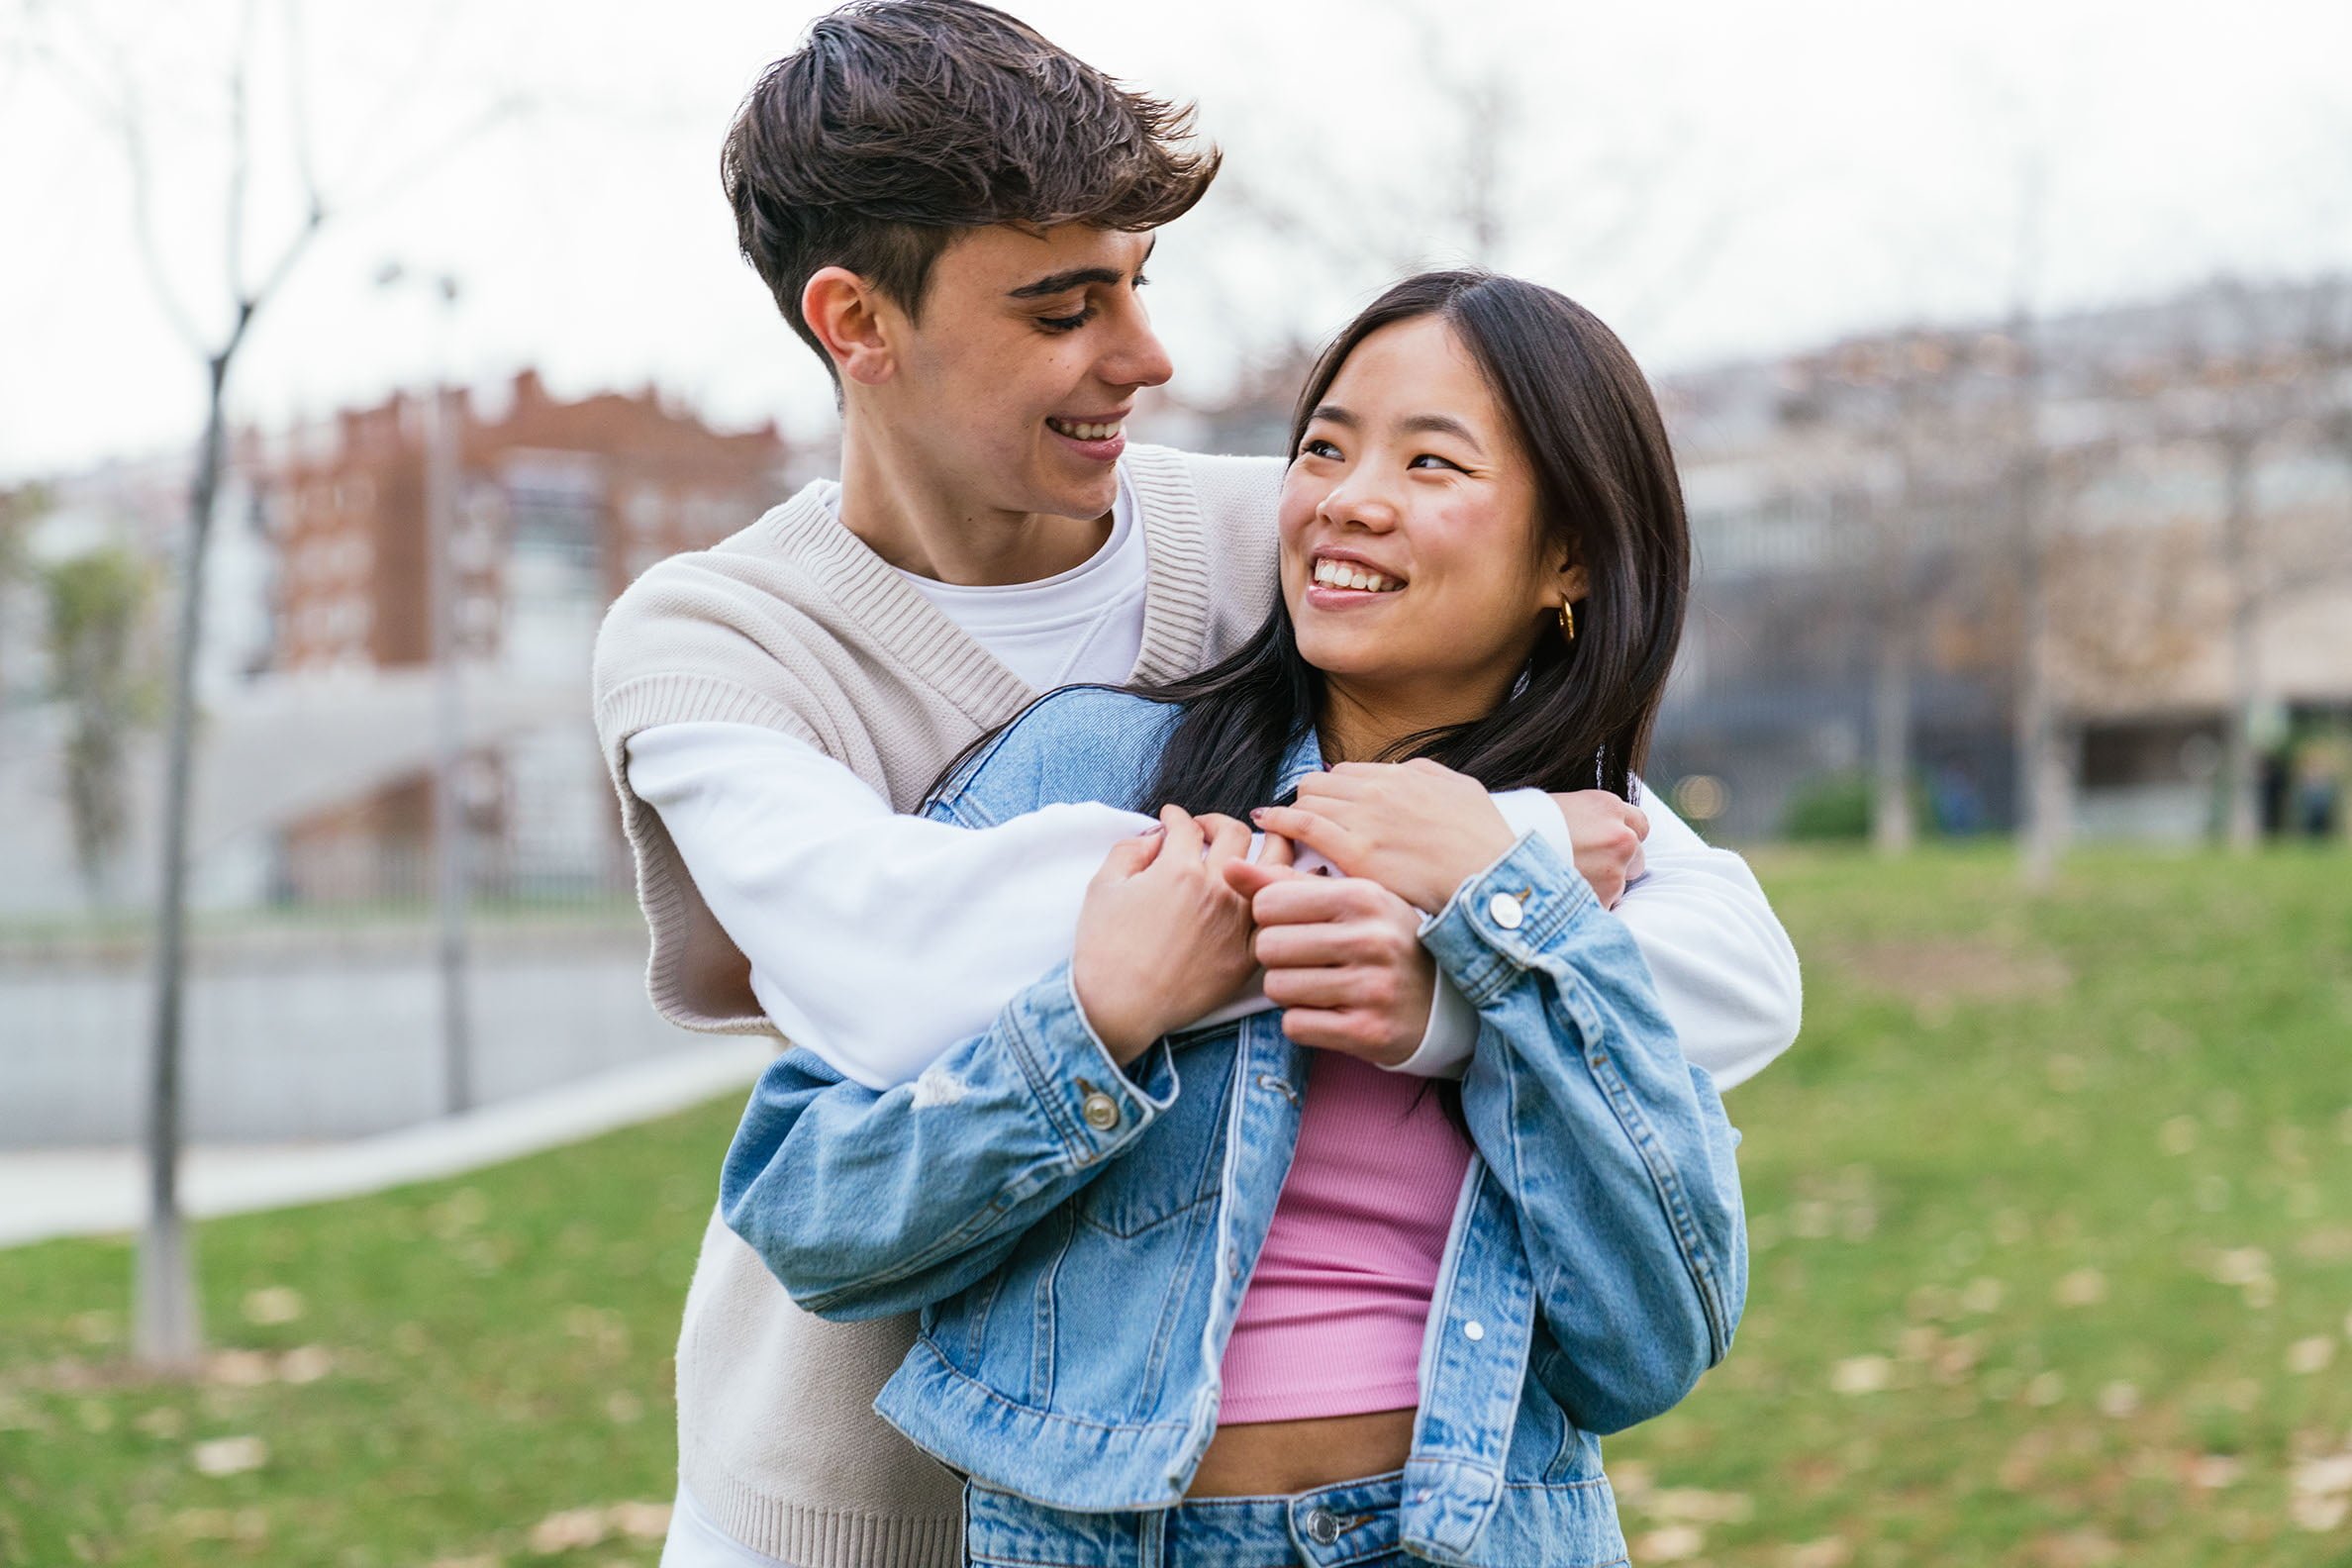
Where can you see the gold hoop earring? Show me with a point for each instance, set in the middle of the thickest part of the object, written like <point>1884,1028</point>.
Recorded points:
<point>1568,623</point>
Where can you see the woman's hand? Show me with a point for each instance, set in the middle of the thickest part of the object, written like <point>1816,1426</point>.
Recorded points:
<point>1162,938</point>
<point>1418,828</point>
<point>1344,958</point>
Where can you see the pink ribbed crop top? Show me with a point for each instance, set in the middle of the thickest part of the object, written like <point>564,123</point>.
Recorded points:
<point>1331,1322</point>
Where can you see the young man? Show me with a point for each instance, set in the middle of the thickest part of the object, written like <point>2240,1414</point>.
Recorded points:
<point>955,215</point>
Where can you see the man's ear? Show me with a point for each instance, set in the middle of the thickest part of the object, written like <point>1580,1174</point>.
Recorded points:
<point>847,316</point>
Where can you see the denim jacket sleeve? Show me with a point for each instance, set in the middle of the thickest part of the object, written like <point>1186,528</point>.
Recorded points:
<point>1613,1150</point>
<point>865,1202</point>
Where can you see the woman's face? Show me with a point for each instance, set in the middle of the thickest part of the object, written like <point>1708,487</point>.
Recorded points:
<point>1413,561</point>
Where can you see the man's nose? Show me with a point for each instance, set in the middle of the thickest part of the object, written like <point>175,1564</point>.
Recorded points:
<point>1136,358</point>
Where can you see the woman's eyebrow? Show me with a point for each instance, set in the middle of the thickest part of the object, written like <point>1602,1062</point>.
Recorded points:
<point>1438,425</point>
<point>1334,414</point>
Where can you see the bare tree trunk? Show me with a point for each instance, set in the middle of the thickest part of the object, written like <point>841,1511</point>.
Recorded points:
<point>2241,805</point>
<point>2043,779</point>
<point>168,1333</point>
<point>1891,830</point>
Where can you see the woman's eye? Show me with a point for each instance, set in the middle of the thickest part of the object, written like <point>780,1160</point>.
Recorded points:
<point>1432,458</point>
<point>1317,447</point>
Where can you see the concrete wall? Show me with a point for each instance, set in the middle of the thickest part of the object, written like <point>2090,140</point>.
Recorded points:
<point>320,1038</point>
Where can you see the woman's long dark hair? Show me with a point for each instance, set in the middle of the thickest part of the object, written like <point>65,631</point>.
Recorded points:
<point>1606,493</point>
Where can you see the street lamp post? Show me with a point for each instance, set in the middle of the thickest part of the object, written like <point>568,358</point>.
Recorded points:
<point>450,845</point>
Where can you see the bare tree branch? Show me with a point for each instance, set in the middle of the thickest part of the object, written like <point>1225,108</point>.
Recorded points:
<point>240,149</point>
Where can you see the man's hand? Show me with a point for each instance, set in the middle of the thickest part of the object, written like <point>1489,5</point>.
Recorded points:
<point>1418,828</point>
<point>1342,957</point>
<point>1608,836</point>
<point>1162,936</point>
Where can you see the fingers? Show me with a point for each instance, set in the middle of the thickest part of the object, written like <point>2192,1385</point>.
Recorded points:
<point>1318,832</point>
<point>1229,840</point>
<point>1322,944</point>
<point>1638,821</point>
<point>1277,850</point>
<point>1129,856</point>
<point>1184,839</point>
<point>1354,1031</point>
<point>1299,899</point>
<point>1252,878</point>
<point>1331,989</point>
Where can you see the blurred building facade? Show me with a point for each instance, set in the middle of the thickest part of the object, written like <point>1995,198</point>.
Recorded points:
<point>557,504</point>
<point>1873,523</point>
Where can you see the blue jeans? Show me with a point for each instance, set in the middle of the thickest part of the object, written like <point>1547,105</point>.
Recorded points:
<point>1352,1525</point>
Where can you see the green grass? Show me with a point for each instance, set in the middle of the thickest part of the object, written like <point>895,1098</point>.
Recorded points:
<point>2049,1205</point>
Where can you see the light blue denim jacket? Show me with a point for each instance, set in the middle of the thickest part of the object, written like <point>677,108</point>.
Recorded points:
<point>1077,1236</point>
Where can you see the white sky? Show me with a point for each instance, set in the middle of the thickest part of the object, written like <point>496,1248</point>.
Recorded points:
<point>1716,178</point>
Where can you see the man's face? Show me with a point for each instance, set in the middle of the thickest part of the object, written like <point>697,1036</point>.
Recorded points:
<point>1010,388</point>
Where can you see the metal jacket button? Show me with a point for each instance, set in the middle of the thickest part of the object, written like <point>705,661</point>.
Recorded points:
<point>1322,1526</point>
<point>1101,1111</point>
<point>1505,910</point>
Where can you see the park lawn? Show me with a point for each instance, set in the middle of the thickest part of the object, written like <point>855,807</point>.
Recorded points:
<point>2052,1223</point>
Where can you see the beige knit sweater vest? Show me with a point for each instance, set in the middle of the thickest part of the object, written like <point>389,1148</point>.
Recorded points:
<point>796,625</point>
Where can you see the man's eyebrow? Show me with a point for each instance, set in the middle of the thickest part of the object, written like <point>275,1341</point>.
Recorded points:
<point>1078,277</point>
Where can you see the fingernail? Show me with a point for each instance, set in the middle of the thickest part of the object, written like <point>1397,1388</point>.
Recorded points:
<point>1256,813</point>
<point>1153,830</point>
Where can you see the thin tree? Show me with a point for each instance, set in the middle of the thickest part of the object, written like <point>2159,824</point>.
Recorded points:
<point>167,1333</point>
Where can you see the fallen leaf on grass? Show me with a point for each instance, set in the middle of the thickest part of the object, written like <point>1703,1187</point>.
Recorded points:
<point>1828,1552</point>
<point>2213,1472</point>
<point>1696,1505</point>
<point>228,1456</point>
<point>642,1520</point>
<point>2082,1549</point>
<point>570,1531</point>
<point>2084,1287</point>
<point>2310,1356</point>
<point>1674,1544</point>
<point>1868,1374</point>
<point>274,1304</point>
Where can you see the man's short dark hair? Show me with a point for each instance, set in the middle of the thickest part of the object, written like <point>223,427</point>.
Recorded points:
<point>899,124</point>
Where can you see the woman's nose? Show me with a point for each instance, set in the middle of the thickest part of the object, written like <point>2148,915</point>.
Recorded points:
<point>1359,501</point>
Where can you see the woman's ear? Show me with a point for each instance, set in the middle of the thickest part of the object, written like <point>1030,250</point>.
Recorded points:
<point>847,316</point>
<point>1572,583</point>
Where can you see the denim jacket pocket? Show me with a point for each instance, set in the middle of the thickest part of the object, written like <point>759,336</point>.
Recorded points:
<point>1172,1169</point>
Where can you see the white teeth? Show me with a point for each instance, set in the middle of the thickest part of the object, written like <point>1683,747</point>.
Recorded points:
<point>1084,432</point>
<point>1339,575</point>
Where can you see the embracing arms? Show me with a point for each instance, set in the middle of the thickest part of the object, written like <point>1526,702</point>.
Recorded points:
<point>838,901</point>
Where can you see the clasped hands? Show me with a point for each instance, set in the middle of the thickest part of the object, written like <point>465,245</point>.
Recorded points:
<point>1179,918</point>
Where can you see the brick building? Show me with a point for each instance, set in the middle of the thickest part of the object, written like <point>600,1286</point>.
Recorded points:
<point>558,505</point>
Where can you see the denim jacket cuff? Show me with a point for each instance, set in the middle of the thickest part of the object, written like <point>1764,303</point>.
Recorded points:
<point>1497,922</point>
<point>1096,1106</point>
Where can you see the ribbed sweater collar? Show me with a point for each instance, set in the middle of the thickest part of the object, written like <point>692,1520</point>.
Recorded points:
<point>877,598</point>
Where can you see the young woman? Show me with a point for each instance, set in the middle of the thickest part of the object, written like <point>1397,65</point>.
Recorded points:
<point>1212,1298</point>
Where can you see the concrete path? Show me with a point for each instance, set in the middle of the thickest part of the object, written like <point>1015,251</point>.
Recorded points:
<point>96,1192</point>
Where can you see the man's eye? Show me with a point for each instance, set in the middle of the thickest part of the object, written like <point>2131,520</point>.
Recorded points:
<point>1063,323</point>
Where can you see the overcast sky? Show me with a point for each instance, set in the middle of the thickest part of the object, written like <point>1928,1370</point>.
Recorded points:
<point>1717,179</point>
